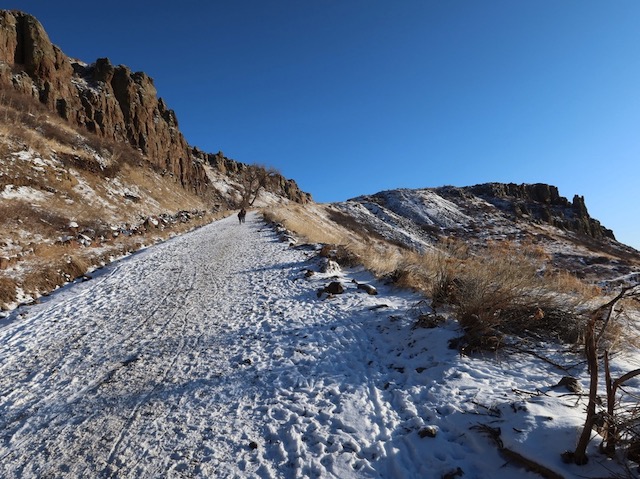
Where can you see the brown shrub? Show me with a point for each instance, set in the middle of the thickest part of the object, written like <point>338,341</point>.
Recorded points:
<point>32,218</point>
<point>74,266</point>
<point>58,133</point>
<point>340,254</point>
<point>45,279</point>
<point>8,293</point>
<point>502,291</point>
<point>16,103</point>
<point>55,273</point>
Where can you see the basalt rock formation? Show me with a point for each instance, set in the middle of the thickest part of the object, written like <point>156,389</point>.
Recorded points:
<point>519,214</point>
<point>109,100</point>
<point>542,202</point>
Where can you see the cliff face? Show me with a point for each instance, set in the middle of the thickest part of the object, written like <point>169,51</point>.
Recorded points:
<point>111,101</point>
<point>542,202</point>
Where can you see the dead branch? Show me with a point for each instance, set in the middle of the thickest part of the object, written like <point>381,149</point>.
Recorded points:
<point>580,453</point>
<point>592,340</point>
<point>608,308</point>
<point>539,356</point>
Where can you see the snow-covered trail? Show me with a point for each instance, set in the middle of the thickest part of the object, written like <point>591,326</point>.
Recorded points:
<point>189,359</point>
<point>211,355</point>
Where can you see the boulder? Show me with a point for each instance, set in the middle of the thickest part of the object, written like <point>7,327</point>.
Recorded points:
<point>335,287</point>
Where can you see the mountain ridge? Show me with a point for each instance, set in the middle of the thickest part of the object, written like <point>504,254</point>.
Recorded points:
<point>421,219</point>
<point>111,101</point>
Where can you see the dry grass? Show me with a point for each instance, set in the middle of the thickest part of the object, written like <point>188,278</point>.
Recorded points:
<point>22,215</point>
<point>7,292</point>
<point>308,224</point>
<point>568,283</point>
<point>500,289</point>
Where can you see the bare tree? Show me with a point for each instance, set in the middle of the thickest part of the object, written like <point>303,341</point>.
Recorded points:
<point>610,428</point>
<point>254,179</point>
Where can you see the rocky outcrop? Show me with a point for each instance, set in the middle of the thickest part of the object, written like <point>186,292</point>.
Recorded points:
<point>277,184</point>
<point>111,101</point>
<point>108,100</point>
<point>542,202</point>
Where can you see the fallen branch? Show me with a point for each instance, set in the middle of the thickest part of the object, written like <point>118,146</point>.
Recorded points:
<point>539,356</point>
<point>492,411</point>
<point>529,464</point>
<point>530,393</point>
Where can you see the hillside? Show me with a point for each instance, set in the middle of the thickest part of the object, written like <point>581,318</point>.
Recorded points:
<point>524,215</point>
<point>93,166</point>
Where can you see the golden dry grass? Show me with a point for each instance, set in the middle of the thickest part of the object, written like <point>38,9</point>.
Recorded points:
<point>568,283</point>
<point>7,291</point>
<point>500,287</point>
<point>72,185</point>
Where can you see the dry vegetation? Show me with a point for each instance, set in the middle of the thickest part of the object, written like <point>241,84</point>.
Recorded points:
<point>506,289</point>
<point>73,201</point>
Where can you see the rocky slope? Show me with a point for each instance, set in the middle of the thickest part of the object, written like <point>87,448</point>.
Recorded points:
<point>110,101</point>
<point>533,214</point>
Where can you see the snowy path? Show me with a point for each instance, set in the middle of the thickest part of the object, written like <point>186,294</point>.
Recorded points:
<point>211,356</point>
<point>175,361</point>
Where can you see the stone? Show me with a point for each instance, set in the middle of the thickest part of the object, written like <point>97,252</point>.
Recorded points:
<point>572,384</point>
<point>428,431</point>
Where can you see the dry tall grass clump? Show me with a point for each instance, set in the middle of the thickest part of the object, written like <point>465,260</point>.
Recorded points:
<point>8,292</point>
<point>504,288</point>
<point>501,289</point>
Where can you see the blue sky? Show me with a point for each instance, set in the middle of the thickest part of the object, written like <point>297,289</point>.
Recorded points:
<point>351,97</point>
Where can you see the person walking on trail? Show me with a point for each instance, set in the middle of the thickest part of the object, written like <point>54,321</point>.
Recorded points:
<point>241,215</point>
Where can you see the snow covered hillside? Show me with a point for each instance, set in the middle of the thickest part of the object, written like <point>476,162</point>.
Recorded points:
<point>211,355</point>
<point>523,214</point>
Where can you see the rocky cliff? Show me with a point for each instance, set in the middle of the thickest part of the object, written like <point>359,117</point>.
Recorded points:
<point>526,215</point>
<point>542,202</point>
<point>111,101</point>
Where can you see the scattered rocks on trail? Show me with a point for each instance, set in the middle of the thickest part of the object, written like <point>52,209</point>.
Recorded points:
<point>369,289</point>
<point>335,287</point>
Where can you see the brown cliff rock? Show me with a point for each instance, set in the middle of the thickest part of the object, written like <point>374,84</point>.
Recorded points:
<point>542,202</point>
<point>111,101</point>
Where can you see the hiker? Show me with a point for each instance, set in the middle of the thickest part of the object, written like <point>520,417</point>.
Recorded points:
<point>241,215</point>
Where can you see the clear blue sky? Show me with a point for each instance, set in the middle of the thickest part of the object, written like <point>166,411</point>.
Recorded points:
<point>350,97</point>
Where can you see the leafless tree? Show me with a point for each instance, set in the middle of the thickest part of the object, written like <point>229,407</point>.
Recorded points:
<point>610,429</point>
<point>253,180</point>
